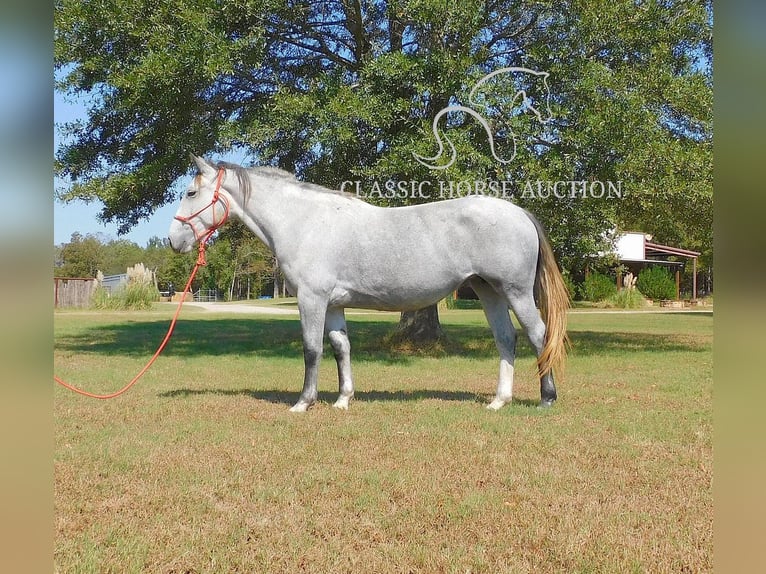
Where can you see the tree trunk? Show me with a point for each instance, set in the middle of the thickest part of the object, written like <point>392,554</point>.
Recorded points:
<point>420,326</point>
<point>276,278</point>
<point>233,280</point>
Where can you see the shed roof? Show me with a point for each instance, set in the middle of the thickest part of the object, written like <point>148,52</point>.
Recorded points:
<point>655,249</point>
<point>636,246</point>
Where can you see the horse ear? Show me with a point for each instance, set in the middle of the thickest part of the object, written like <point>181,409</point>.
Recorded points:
<point>204,167</point>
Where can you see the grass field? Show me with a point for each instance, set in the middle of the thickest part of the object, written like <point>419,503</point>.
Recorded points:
<point>200,468</point>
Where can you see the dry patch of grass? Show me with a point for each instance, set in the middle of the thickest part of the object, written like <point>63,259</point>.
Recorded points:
<point>201,468</point>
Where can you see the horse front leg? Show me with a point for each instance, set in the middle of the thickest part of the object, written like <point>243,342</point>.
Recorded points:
<point>335,325</point>
<point>312,311</point>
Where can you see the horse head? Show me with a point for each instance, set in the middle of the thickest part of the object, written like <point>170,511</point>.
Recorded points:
<point>204,208</point>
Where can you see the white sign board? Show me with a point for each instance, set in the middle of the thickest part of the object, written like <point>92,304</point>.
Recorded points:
<point>631,246</point>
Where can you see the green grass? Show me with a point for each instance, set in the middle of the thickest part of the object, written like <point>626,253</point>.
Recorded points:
<point>201,468</point>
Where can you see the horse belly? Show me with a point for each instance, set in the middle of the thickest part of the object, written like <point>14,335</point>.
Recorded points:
<point>401,287</point>
<point>391,300</point>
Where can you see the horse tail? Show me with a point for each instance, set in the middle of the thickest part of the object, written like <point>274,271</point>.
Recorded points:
<point>553,300</point>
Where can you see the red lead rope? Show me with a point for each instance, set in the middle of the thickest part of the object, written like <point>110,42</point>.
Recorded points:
<point>200,262</point>
<point>156,354</point>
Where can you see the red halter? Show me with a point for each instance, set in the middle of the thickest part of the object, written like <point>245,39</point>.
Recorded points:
<point>206,234</point>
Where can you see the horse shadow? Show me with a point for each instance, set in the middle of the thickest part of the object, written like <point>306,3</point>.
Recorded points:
<point>282,397</point>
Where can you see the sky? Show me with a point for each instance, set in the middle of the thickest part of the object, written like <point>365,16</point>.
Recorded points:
<point>78,216</point>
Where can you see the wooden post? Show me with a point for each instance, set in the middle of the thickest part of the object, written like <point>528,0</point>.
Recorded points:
<point>694,279</point>
<point>619,279</point>
<point>678,284</point>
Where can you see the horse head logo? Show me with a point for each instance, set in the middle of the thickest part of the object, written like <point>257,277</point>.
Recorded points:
<point>520,101</point>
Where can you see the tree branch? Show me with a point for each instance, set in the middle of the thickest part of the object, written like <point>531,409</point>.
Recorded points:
<point>322,50</point>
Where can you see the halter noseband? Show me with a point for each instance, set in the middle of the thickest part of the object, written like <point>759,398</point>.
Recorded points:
<point>206,234</point>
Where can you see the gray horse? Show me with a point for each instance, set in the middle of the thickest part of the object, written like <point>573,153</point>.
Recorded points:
<point>338,251</point>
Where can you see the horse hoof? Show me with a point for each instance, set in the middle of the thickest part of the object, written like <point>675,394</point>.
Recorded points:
<point>340,405</point>
<point>497,404</point>
<point>299,408</point>
<point>546,403</point>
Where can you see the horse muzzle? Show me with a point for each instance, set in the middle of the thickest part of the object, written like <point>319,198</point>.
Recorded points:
<point>180,237</point>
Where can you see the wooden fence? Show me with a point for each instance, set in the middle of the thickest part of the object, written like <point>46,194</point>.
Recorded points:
<point>73,291</point>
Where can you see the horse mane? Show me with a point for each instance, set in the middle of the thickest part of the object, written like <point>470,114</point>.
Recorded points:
<point>269,172</point>
<point>242,175</point>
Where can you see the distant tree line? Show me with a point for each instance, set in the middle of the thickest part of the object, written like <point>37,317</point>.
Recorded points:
<point>238,266</point>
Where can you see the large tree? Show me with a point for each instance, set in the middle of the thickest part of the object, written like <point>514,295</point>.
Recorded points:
<point>348,90</point>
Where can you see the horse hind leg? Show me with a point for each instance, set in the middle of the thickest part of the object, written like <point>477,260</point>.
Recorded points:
<point>496,311</point>
<point>335,325</point>
<point>529,317</point>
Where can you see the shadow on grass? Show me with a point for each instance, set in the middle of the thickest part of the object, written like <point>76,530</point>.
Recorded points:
<point>291,397</point>
<point>279,396</point>
<point>370,340</point>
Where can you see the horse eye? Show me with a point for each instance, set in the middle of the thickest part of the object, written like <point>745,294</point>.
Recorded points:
<point>191,193</point>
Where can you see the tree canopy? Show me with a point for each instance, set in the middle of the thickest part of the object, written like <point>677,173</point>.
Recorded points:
<point>348,90</point>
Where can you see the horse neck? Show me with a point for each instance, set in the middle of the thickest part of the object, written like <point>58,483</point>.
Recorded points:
<point>274,211</point>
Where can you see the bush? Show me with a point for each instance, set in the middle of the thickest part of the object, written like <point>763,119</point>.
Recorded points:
<point>140,296</point>
<point>451,303</point>
<point>101,299</point>
<point>656,283</point>
<point>570,285</point>
<point>598,287</point>
<point>136,296</point>
<point>628,299</point>
<point>139,293</point>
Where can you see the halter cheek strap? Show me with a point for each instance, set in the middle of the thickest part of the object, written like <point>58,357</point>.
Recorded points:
<point>205,235</point>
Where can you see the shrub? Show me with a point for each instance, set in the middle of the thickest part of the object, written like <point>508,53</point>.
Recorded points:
<point>570,285</point>
<point>136,296</point>
<point>597,287</point>
<point>101,299</point>
<point>451,303</point>
<point>139,296</point>
<point>656,283</point>
<point>628,299</point>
